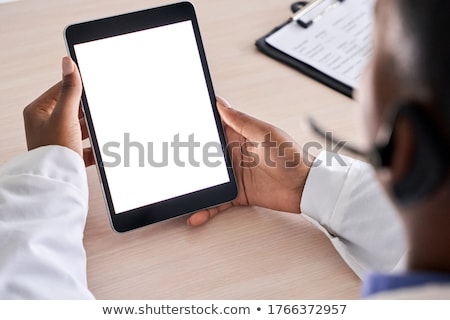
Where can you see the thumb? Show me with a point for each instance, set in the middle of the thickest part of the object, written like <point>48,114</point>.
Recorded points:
<point>68,103</point>
<point>240,122</point>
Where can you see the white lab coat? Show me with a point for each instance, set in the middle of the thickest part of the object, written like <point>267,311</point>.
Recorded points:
<point>346,202</point>
<point>44,203</point>
<point>43,208</point>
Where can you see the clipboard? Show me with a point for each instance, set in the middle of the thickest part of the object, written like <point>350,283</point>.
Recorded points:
<point>305,21</point>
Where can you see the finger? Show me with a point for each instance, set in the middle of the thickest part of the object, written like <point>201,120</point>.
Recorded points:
<point>68,104</point>
<point>88,157</point>
<point>223,102</point>
<point>240,122</point>
<point>204,216</point>
<point>84,129</point>
<point>42,107</point>
<point>80,112</point>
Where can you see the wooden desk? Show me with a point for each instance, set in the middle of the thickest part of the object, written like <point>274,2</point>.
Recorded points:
<point>245,253</point>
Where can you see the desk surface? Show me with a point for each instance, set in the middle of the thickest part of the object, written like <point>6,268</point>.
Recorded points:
<point>245,253</point>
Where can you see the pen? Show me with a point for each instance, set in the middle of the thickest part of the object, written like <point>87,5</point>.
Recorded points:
<point>313,10</point>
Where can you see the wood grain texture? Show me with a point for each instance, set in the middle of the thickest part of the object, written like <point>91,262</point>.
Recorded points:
<point>245,253</point>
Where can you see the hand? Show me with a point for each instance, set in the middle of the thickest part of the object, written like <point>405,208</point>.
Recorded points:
<point>268,165</point>
<point>55,117</point>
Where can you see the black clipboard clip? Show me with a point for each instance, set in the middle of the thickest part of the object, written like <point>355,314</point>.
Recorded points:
<point>307,12</point>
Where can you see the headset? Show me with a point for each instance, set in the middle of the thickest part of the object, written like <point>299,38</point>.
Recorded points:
<point>430,159</point>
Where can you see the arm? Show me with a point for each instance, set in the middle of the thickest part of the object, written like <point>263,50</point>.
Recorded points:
<point>44,198</point>
<point>345,202</point>
<point>43,208</point>
<point>355,214</point>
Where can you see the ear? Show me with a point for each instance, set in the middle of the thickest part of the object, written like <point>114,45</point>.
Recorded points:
<point>419,161</point>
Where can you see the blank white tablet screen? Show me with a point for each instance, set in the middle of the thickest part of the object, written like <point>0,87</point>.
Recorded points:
<point>152,115</point>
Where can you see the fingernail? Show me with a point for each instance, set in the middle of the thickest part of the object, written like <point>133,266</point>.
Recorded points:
<point>223,102</point>
<point>67,66</point>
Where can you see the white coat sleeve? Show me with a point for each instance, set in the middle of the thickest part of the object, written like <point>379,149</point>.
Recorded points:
<point>344,199</point>
<point>43,208</point>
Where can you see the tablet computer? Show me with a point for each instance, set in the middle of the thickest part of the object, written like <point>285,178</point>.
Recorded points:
<point>151,112</point>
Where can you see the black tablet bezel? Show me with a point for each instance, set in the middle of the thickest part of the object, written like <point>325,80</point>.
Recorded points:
<point>138,21</point>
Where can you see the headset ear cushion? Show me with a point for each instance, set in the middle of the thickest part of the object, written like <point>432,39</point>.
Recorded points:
<point>428,166</point>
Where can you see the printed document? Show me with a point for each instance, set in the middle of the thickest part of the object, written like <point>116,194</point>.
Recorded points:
<point>338,44</point>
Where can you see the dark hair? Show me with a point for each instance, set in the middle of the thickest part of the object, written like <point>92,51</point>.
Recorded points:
<point>427,24</point>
